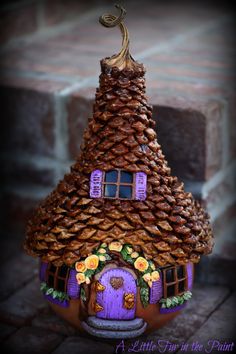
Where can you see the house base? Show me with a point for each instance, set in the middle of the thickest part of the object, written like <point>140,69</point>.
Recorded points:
<point>114,328</point>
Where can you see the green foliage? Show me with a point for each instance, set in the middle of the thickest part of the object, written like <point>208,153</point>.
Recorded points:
<point>144,295</point>
<point>82,294</point>
<point>175,300</point>
<point>61,296</point>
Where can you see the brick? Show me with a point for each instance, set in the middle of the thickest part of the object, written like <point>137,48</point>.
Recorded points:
<point>23,305</point>
<point>216,270</point>
<point>17,22</point>
<point>81,345</point>
<point>32,340</point>
<point>79,110</point>
<point>193,316</point>
<point>28,122</point>
<point>24,172</point>
<point>49,321</point>
<point>17,208</point>
<point>6,330</point>
<point>219,326</point>
<point>16,273</point>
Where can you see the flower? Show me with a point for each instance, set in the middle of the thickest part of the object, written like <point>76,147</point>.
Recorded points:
<point>104,244</point>
<point>150,284</point>
<point>91,262</point>
<point>101,250</point>
<point>155,275</point>
<point>87,280</point>
<point>153,266</point>
<point>147,277</point>
<point>102,258</point>
<point>115,246</point>
<point>134,255</point>
<point>80,266</point>
<point>80,278</point>
<point>141,264</point>
<point>129,250</point>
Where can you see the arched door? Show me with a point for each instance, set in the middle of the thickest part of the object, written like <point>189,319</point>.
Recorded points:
<point>116,295</point>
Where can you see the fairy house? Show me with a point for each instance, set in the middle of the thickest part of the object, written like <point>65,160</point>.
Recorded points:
<point>119,236</point>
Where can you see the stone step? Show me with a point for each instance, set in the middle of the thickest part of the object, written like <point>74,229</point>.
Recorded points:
<point>115,334</point>
<point>116,325</point>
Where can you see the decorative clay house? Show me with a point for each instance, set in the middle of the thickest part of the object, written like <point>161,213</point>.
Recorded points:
<point>119,236</point>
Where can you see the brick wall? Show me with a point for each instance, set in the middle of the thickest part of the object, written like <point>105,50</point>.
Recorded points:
<point>49,71</point>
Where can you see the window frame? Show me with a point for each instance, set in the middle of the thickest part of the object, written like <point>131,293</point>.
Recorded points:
<point>57,277</point>
<point>118,183</point>
<point>176,280</point>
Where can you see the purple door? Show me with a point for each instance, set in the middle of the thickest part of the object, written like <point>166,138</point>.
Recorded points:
<point>117,300</point>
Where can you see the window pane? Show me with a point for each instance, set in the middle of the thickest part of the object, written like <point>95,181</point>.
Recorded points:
<point>111,176</point>
<point>110,190</point>
<point>50,281</point>
<point>181,286</point>
<point>126,177</point>
<point>52,268</point>
<point>170,275</point>
<point>170,290</point>
<point>180,272</point>
<point>61,285</point>
<point>62,271</point>
<point>125,192</point>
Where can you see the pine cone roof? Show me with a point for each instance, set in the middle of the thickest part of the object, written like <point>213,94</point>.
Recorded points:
<point>169,227</point>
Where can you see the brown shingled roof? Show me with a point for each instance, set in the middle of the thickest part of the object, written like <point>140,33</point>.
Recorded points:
<point>168,227</point>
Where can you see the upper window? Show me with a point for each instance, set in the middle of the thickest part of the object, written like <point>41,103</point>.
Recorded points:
<point>174,280</point>
<point>119,184</point>
<point>56,277</point>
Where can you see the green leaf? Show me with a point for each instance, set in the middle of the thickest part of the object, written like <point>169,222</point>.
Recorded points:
<point>82,294</point>
<point>54,294</point>
<point>89,272</point>
<point>168,303</point>
<point>108,258</point>
<point>163,306</point>
<point>43,286</point>
<point>144,295</point>
<point>49,291</point>
<point>174,301</point>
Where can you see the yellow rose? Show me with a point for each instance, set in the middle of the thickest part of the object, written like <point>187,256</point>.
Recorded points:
<point>129,250</point>
<point>155,276</point>
<point>141,264</point>
<point>115,246</point>
<point>91,262</point>
<point>147,277</point>
<point>101,250</point>
<point>80,266</point>
<point>134,255</point>
<point>87,280</point>
<point>80,278</point>
<point>102,258</point>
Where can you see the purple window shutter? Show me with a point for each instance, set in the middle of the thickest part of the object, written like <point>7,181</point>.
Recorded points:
<point>189,269</point>
<point>156,291</point>
<point>140,186</point>
<point>42,271</point>
<point>73,288</point>
<point>96,184</point>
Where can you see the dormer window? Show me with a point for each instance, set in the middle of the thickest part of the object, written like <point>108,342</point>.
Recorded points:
<point>118,184</point>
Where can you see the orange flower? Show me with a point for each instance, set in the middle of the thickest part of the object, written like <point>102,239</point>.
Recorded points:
<point>134,255</point>
<point>80,278</point>
<point>141,264</point>
<point>115,246</point>
<point>155,276</point>
<point>102,250</point>
<point>80,266</point>
<point>91,262</point>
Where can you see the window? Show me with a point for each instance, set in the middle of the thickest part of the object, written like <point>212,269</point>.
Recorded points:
<point>57,277</point>
<point>174,280</point>
<point>118,184</point>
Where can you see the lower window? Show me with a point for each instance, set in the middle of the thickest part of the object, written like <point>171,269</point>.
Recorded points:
<point>174,280</point>
<point>56,277</point>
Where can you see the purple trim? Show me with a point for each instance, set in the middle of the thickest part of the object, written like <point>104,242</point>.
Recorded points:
<point>140,186</point>
<point>190,275</point>
<point>42,271</point>
<point>73,288</point>
<point>64,303</point>
<point>156,291</point>
<point>96,184</point>
<point>172,309</point>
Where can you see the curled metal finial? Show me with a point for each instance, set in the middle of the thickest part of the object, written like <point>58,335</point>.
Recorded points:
<point>109,20</point>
